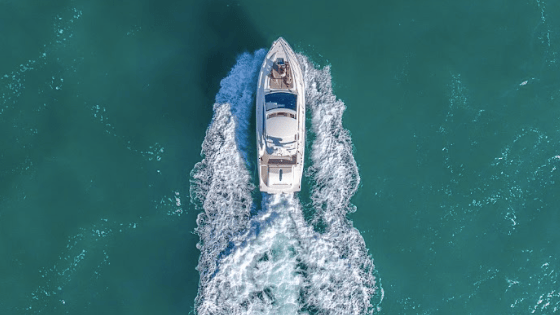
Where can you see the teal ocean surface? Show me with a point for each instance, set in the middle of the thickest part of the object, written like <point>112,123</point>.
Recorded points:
<point>127,171</point>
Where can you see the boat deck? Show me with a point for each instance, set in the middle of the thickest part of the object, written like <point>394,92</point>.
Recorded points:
<point>281,77</point>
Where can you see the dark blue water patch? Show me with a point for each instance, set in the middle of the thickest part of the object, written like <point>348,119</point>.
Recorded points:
<point>220,54</point>
<point>307,180</point>
<point>252,165</point>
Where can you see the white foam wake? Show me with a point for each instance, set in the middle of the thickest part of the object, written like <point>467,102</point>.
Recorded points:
<point>275,262</point>
<point>350,287</point>
<point>260,273</point>
<point>220,183</point>
<point>280,265</point>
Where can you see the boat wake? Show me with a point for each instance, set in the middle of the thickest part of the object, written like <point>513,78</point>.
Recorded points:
<point>271,260</point>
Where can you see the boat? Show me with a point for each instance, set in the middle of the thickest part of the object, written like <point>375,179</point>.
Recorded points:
<point>280,115</point>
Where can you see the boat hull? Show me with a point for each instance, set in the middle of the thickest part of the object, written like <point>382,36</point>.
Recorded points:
<point>280,123</point>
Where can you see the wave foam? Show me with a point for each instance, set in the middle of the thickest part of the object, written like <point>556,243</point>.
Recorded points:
<point>260,273</point>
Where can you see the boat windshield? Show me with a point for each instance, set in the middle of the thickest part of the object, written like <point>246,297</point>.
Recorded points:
<point>280,100</point>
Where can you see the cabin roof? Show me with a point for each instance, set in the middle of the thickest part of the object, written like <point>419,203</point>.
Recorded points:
<point>281,127</point>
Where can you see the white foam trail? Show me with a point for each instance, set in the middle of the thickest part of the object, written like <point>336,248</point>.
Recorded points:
<point>334,169</point>
<point>280,265</point>
<point>348,285</point>
<point>275,262</point>
<point>221,184</point>
<point>259,275</point>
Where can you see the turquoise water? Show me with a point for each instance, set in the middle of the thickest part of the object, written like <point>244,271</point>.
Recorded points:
<point>449,152</point>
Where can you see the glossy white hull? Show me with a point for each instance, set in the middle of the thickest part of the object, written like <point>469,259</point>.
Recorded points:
<point>280,122</point>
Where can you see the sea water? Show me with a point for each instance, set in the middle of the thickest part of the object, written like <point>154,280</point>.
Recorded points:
<point>431,182</point>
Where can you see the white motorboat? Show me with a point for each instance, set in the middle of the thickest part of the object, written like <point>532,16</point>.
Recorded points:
<point>280,121</point>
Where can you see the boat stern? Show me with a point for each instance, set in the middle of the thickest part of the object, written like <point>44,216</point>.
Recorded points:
<point>279,179</point>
